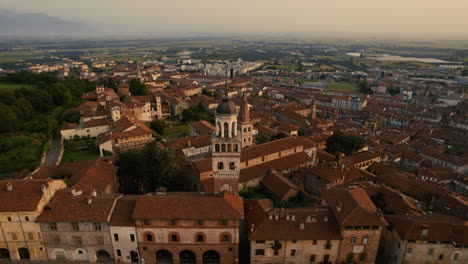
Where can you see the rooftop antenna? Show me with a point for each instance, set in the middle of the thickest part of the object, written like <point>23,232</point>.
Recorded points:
<point>226,82</point>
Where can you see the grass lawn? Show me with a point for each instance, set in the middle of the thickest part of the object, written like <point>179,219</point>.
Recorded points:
<point>176,131</point>
<point>78,156</point>
<point>17,86</point>
<point>79,150</point>
<point>343,86</point>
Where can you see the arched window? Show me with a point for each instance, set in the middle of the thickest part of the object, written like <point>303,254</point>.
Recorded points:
<point>233,129</point>
<point>173,237</point>
<point>225,237</point>
<point>218,129</point>
<point>223,148</point>
<point>149,237</point>
<point>199,237</point>
<point>226,129</point>
<point>217,147</point>
<point>229,148</point>
<point>236,148</point>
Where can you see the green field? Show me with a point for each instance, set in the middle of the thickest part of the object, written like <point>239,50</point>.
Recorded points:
<point>176,131</point>
<point>343,86</point>
<point>78,156</point>
<point>78,150</point>
<point>17,86</point>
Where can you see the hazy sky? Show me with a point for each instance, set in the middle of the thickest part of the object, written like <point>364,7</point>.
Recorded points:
<point>258,16</point>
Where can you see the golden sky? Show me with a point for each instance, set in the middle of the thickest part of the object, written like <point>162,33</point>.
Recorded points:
<point>259,16</point>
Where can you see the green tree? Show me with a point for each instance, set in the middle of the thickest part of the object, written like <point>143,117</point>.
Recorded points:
<point>141,172</point>
<point>7,96</point>
<point>8,120</point>
<point>72,117</point>
<point>364,87</point>
<point>137,87</point>
<point>158,126</point>
<point>347,144</point>
<point>23,109</point>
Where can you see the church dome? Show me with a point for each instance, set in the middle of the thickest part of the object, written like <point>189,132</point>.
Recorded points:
<point>226,107</point>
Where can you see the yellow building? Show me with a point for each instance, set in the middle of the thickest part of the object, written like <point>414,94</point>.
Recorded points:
<point>21,202</point>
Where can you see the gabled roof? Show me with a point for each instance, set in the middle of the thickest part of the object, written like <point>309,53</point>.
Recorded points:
<point>267,223</point>
<point>64,207</point>
<point>24,195</point>
<point>352,207</point>
<point>189,206</point>
<point>438,227</point>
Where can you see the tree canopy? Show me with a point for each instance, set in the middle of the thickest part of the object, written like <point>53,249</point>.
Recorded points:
<point>347,144</point>
<point>137,87</point>
<point>153,167</point>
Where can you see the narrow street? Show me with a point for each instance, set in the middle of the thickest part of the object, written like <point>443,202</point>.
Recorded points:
<point>52,155</point>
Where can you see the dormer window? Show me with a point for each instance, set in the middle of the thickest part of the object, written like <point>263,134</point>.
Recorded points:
<point>424,231</point>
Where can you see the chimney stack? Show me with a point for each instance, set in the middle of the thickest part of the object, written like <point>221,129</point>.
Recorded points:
<point>94,193</point>
<point>89,200</point>
<point>9,187</point>
<point>302,226</point>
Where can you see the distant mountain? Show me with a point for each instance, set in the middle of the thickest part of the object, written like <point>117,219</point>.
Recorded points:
<point>38,24</point>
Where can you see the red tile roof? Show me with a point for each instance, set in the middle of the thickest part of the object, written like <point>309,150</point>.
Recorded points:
<point>24,195</point>
<point>188,206</point>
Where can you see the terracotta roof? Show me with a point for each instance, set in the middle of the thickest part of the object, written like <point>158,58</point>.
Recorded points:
<point>442,228</point>
<point>279,164</point>
<point>87,176</point>
<point>270,147</point>
<point>64,207</point>
<point>188,206</point>
<point>24,195</point>
<point>122,213</point>
<point>279,185</point>
<point>186,142</point>
<point>352,207</point>
<point>319,223</point>
<point>202,127</point>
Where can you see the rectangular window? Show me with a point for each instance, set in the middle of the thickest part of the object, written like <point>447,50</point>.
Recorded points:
<point>441,257</point>
<point>146,222</point>
<point>224,222</point>
<point>53,226</point>
<point>119,253</point>
<point>276,252</point>
<point>116,237</point>
<point>77,240</point>
<point>312,258</point>
<point>260,252</point>
<point>199,222</point>
<point>31,236</point>
<point>365,240</point>
<point>14,236</point>
<point>173,222</point>
<point>293,252</point>
<point>97,226</point>
<point>294,241</point>
<point>314,242</point>
<point>9,219</point>
<point>430,252</point>
<point>132,237</point>
<point>26,218</point>
<point>56,239</point>
<point>75,226</point>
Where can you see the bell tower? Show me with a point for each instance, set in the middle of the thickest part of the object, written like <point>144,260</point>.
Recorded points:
<point>226,147</point>
<point>245,124</point>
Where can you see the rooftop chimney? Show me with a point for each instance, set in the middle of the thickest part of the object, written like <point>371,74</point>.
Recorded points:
<point>338,207</point>
<point>302,226</point>
<point>9,187</point>
<point>252,227</point>
<point>424,231</point>
<point>325,219</point>
<point>89,200</point>
<point>94,193</point>
<point>293,218</point>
